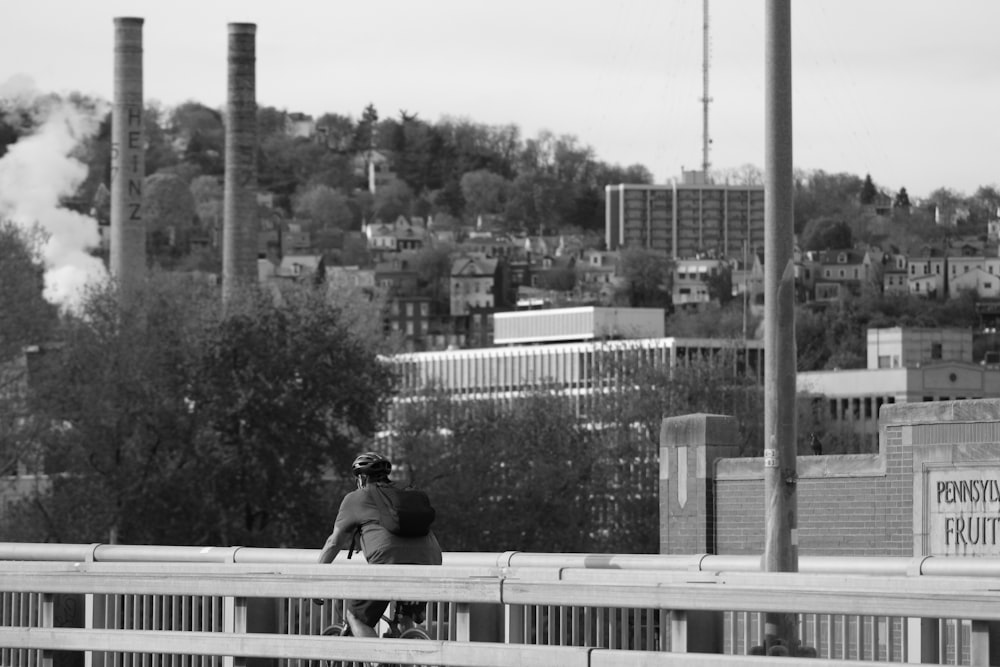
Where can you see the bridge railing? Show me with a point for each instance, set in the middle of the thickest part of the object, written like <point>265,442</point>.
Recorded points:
<point>194,606</point>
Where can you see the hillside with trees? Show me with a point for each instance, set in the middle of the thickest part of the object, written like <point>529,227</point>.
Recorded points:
<point>177,422</point>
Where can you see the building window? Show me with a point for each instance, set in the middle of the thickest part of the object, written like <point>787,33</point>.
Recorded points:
<point>935,350</point>
<point>884,361</point>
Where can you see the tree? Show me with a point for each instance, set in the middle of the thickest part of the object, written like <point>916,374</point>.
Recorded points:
<point>433,267</point>
<point>270,120</point>
<point>178,423</point>
<point>27,317</point>
<point>168,210</point>
<point>730,321</point>
<point>826,234</point>
<point>869,193</point>
<point>534,463</point>
<point>207,194</point>
<point>902,200</point>
<point>948,203</point>
<point>819,194</point>
<point>159,154</point>
<point>484,192</point>
<point>570,474</point>
<point>720,285</point>
<point>985,204</point>
<point>288,391</point>
<point>648,278</point>
<point>201,131</point>
<point>366,136</point>
<point>393,200</point>
<point>326,207</point>
<point>559,279</point>
<point>746,174</point>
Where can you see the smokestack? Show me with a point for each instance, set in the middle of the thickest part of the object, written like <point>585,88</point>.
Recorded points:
<point>128,162</point>
<point>239,245</point>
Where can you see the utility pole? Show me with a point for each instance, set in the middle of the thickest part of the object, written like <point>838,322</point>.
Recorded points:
<point>706,141</point>
<point>780,476</point>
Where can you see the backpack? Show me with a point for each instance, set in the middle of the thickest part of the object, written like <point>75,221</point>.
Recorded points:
<point>404,512</point>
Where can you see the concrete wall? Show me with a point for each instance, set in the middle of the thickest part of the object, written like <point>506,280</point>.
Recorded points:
<point>932,488</point>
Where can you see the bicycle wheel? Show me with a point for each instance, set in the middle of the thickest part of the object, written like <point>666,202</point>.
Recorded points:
<point>415,632</point>
<point>340,630</point>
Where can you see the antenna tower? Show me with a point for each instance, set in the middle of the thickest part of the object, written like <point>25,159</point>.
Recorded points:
<point>706,140</point>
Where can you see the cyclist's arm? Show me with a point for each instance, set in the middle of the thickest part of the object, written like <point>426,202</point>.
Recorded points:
<point>339,539</point>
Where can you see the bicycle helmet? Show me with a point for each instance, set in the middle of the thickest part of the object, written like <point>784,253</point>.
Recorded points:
<point>372,464</point>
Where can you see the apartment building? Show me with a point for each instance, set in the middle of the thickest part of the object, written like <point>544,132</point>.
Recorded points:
<point>687,218</point>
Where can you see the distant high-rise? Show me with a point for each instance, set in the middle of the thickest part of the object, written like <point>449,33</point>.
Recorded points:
<point>682,220</point>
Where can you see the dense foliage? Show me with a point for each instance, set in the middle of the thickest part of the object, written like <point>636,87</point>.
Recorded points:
<point>177,422</point>
<point>551,471</point>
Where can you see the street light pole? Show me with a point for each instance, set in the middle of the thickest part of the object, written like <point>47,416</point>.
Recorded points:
<point>780,534</point>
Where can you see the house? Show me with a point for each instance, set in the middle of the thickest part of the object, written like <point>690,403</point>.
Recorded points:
<point>294,239</point>
<point>926,273</point>
<point>351,277</point>
<point>851,271</point>
<point>472,284</point>
<point>397,274</point>
<point>895,281</point>
<point>300,125</point>
<point>401,235</point>
<point>986,285</point>
<point>748,277</point>
<point>692,279</point>
<point>597,273</point>
<point>301,267</point>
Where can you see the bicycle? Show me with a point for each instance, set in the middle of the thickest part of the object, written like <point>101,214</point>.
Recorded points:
<point>399,618</point>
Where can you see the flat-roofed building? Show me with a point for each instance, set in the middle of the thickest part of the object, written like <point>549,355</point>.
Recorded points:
<point>584,323</point>
<point>573,368</point>
<point>685,219</point>
<point>904,366</point>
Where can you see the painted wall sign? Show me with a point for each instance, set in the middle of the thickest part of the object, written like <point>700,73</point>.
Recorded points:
<point>963,506</point>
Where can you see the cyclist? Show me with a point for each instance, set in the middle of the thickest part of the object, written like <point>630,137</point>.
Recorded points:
<point>358,515</point>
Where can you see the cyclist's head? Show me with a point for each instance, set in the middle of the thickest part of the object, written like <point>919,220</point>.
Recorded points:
<point>371,465</point>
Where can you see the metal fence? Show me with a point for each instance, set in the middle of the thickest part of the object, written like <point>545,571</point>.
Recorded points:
<point>849,609</point>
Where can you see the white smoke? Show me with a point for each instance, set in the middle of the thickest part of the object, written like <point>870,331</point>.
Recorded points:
<point>36,173</point>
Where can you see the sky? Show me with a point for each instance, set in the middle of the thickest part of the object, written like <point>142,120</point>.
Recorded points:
<point>905,90</point>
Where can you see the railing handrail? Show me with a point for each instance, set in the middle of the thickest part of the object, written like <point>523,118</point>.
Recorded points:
<point>966,597</point>
<point>446,654</point>
<point>941,566</point>
<point>500,594</point>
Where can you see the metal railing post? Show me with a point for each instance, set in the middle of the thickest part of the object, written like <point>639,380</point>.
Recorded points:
<point>678,631</point>
<point>46,619</point>
<point>514,624</point>
<point>94,611</point>
<point>922,639</point>
<point>984,647</point>
<point>234,620</point>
